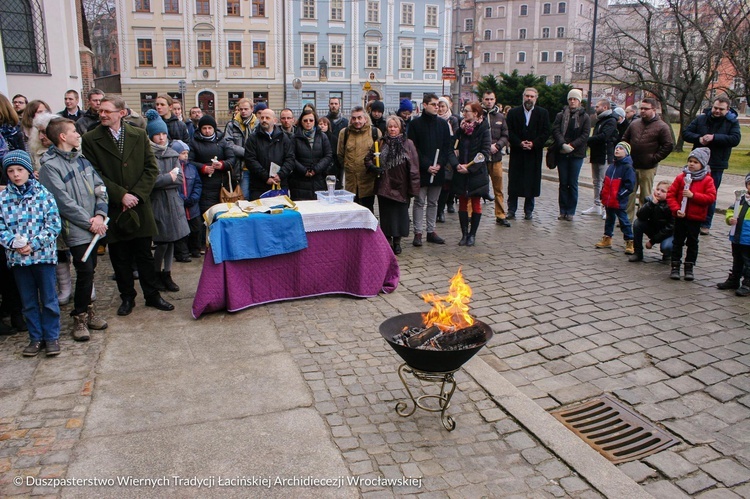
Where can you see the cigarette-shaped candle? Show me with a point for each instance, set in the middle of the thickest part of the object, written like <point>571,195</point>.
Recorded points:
<point>737,198</point>
<point>688,181</point>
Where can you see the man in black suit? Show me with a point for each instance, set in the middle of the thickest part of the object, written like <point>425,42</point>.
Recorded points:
<point>528,130</point>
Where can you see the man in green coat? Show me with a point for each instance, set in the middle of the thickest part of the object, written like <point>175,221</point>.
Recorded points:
<point>122,156</point>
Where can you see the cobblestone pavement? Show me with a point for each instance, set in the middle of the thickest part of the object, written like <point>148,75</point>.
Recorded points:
<point>571,322</point>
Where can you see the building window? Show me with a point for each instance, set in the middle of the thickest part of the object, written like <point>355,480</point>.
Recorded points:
<point>203,7</point>
<point>488,12</point>
<point>431,16</point>
<point>234,51</point>
<point>501,11</point>
<point>430,59</point>
<point>337,10</point>
<point>406,58</point>
<point>524,10</point>
<point>561,32</point>
<point>23,33</point>
<point>308,9</point>
<point>407,14</point>
<point>579,63</point>
<point>171,6</point>
<point>545,32</point>
<point>233,7</point>
<point>557,79</point>
<point>337,56</point>
<point>522,33</point>
<point>488,34</point>
<point>373,56</point>
<point>469,24</point>
<point>499,57</point>
<point>373,11</point>
<point>561,8</point>
<point>259,54</point>
<point>501,34</point>
<point>204,53</point>
<point>145,54</point>
<point>174,54</point>
<point>737,84</point>
<point>467,78</point>
<point>558,56</point>
<point>143,5</point>
<point>547,8</point>
<point>259,8</point>
<point>486,57</point>
<point>544,56</point>
<point>308,54</point>
<point>521,57</point>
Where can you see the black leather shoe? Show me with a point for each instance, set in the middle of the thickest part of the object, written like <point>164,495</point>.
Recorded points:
<point>528,216</point>
<point>434,238</point>
<point>510,216</point>
<point>160,304</point>
<point>126,307</point>
<point>451,209</point>
<point>502,221</point>
<point>441,217</point>
<point>183,259</point>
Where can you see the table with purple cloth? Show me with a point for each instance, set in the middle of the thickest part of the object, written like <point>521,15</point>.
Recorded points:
<point>346,253</point>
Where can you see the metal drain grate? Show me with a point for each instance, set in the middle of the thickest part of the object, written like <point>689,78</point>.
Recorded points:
<point>613,430</point>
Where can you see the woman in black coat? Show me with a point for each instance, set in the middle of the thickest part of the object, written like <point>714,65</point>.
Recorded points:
<point>312,158</point>
<point>209,143</point>
<point>471,183</point>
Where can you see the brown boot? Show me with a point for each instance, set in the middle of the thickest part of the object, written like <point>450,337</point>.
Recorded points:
<point>80,331</point>
<point>629,248</point>
<point>94,321</point>
<point>606,242</point>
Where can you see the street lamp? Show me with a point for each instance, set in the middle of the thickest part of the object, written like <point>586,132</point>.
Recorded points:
<point>593,52</point>
<point>461,54</point>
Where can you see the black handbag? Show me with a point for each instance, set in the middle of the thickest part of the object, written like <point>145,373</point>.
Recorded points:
<point>551,157</point>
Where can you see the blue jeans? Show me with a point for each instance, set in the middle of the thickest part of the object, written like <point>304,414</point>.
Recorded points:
<point>568,169</point>
<point>609,223</point>
<point>716,174</point>
<point>245,183</point>
<point>640,228</point>
<point>37,285</point>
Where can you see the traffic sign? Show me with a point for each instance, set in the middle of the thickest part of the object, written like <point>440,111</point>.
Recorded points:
<point>367,87</point>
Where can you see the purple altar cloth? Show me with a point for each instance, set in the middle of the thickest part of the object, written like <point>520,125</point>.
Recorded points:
<point>357,262</point>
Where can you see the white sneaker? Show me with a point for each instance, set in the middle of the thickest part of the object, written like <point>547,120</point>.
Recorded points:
<point>594,210</point>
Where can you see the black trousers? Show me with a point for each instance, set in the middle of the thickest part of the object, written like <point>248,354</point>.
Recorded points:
<point>84,278</point>
<point>741,262</point>
<point>192,242</point>
<point>122,255</point>
<point>686,231</point>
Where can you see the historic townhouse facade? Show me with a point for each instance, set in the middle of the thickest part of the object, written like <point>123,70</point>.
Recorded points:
<point>366,49</point>
<point>222,50</point>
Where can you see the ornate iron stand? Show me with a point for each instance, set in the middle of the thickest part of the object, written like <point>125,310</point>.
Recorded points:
<point>447,387</point>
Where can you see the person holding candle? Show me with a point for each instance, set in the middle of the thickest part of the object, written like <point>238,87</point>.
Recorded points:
<point>395,161</point>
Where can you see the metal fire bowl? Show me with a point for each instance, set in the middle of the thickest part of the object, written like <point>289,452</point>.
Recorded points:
<point>428,360</point>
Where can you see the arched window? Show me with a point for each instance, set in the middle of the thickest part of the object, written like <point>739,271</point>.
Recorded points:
<point>24,42</point>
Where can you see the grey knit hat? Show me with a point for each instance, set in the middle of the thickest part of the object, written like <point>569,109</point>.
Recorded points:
<point>619,112</point>
<point>747,179</point>
<point>702,154</point>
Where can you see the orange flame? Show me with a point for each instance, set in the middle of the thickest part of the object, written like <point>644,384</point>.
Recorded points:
<point>450,313</point>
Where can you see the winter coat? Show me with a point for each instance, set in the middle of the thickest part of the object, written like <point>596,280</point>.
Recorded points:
<point>726,132</point>
<point>525,167</point>
<point>202,151</point>
<point>13,136</point>
<point>379,124</point>
<point>190,191</point>
<point>317,158</point>
<point>704,194</point>
<point>78,190</point>
<point>169,209</point>
<point>396,182</point>
<point>132,172</point>
<point>87,122</point>
<point>498,132</point>
<point>602,141</point>
<point>650,142</point>
<point>236,132</point>
<point>353,146</point>
<point>176,129</point>
<point>338,123</point>
<point>261,150</point>
<point>572,127</point>
<point>619,182</point>
<point>658,219</point>
<point>29,211</point>
<point>621,127</point>
<point>429,133</point>
<point>476,182</point>
<point>742,232</point>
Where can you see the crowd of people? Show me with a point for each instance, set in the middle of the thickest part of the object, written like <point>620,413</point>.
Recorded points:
<point>76,180</point>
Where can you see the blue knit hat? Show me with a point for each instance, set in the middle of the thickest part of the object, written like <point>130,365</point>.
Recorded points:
<point>405,105</point>
<point>18,157</point>
<point>179,146</point>
<point>260,106</point>
<point>155,124</point>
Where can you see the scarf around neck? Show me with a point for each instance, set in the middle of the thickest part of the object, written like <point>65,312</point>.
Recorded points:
<point>469,127</point>
<point>699,175</point>
<point>392,152</point>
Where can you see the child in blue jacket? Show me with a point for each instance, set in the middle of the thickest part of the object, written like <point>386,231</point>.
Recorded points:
<point>29,226</point>
<point>190,192</point>
<point>740,240</point>
<point>619,182</point>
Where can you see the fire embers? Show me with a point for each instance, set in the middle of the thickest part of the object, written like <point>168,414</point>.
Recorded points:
<point>434,338</point>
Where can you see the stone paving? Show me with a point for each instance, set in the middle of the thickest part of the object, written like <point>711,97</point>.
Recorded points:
<point>571,322</point>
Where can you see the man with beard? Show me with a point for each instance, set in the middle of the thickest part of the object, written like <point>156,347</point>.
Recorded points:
<point>90,118</point>
<point>528,130</point>
<point>266,145</point>
<point>338,123</point>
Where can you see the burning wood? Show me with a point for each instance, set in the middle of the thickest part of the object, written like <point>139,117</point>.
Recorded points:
<point>435,338</point>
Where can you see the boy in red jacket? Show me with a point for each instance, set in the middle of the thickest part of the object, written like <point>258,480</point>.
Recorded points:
<point>698,193</point>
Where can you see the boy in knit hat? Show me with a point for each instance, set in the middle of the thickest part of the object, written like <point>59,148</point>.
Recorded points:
<point>405,108</point>
<point>740,239</point>
<point>190,193</point>
<point>29,226</point>
<point>619,181</point>
<point>699,193</point>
